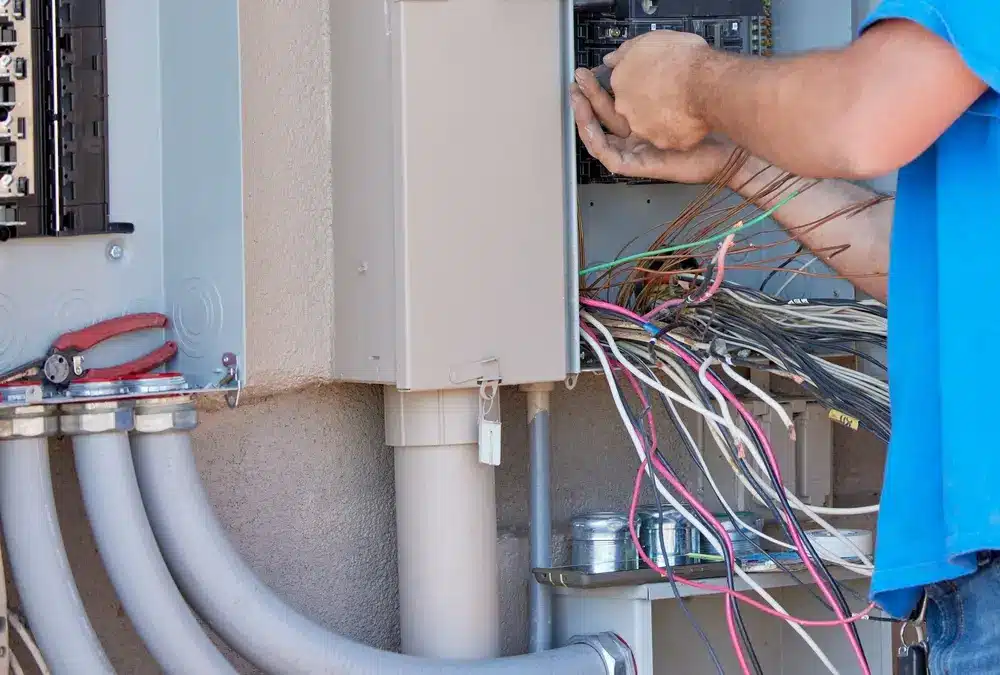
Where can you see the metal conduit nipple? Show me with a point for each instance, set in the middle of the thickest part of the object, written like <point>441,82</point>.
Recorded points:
<point>30,421</point>
<point>97,417</point>
<point>160,415</point>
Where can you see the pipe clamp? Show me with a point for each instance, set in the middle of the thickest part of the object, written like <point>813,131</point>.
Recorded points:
<point>97,417</point>
<point>614,652</point>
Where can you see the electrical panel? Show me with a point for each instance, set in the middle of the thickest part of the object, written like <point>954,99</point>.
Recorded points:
<point>53,129</point>
<point>741,26</point>
<point>132,113</point>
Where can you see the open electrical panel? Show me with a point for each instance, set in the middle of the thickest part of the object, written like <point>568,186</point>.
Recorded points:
<point>122,120</point>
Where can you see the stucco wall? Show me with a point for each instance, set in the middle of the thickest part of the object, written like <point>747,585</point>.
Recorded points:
<point>302,479</point>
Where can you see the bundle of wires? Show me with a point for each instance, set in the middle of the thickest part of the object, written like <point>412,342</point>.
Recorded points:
<point>677,330</point>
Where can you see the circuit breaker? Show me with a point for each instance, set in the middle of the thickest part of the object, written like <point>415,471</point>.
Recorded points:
<point>53,120</point>
<point>740,26</point>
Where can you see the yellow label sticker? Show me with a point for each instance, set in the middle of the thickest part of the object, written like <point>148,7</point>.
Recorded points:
<point>845,419</point>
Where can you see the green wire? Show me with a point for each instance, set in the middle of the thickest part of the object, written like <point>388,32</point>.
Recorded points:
<point>679,247</point>
<point>706,556</point>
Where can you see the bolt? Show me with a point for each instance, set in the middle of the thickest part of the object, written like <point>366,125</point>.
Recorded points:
<point>116,251</point>
<point>229,359</point>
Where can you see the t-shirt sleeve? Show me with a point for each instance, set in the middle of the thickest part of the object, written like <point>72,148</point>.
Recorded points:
<point>967,24</point>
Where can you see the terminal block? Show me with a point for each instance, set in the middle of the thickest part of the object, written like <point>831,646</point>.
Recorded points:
<point>53,102</point>
<point>740,26</point>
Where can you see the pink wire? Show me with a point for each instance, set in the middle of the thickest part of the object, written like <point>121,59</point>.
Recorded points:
<point>768,452</point>
<point>730,613</point>
<point>742,597</point>
<point>796,539</point>
<point>727,243</point>
<point>721,273</point>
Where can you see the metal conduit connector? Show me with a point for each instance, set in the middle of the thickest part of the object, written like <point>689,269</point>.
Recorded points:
<point>30,421</point>
<point>616,654</point>
<point>159,415</point>
<point>97,417</point>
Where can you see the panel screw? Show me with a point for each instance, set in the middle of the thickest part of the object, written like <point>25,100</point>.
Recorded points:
<point>116,251</point>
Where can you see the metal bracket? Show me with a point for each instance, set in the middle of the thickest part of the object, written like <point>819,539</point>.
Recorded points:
<point>486,370</point>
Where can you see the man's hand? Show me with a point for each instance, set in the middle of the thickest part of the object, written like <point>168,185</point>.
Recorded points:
<point>654,80</point>
<point>626,153</point>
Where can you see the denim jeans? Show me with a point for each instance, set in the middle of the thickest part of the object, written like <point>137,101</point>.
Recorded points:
<point>963,622</point>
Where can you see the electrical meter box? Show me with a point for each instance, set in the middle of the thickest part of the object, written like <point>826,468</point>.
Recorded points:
<point>121,190</point>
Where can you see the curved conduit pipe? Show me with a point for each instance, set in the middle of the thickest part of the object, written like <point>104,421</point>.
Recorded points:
<point>259,625</point>
<point>126,543</point>
<point>38,560</point>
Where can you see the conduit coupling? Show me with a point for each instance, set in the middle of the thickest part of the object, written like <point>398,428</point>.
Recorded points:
<point>97,417</point>
<point>159,415</point>
<point>31,421</point>
<point>616,655</point>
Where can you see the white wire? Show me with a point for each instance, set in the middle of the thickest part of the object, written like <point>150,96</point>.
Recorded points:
<point>14,620</point>
<point>863,568</point>
<point>736,432</point>
<point>15,665</point>
<point>708,534</point>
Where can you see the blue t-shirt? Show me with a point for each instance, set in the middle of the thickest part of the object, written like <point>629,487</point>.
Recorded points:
<point>941,496</point>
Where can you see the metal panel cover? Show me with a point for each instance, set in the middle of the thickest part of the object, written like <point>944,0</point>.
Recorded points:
<point>479,193</point>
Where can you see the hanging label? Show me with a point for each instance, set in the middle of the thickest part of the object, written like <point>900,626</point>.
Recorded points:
<point>489,424</point>
<point>845,419</point>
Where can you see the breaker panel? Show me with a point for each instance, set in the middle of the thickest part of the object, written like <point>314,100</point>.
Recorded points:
<point>54,168</point>
<point>741,26</point>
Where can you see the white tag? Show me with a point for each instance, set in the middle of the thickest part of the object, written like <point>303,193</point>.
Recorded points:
<point>489,442</point>
<point>489,425</point>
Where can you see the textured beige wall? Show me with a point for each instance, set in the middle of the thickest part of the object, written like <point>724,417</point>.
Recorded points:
<point>302,479</point>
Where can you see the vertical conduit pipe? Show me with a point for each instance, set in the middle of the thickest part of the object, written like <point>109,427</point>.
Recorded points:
<point>540,524</point>
<point>267,631</point>
<point>125,541</point>
<point>446,525</point>
<point>42,575</point>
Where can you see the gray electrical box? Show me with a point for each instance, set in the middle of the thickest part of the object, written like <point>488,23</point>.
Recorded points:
<point>174,165</point>
<point>451,205</point>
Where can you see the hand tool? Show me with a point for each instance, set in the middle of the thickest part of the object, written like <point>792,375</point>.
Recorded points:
<point>64,361</point>
<point>603,75</point>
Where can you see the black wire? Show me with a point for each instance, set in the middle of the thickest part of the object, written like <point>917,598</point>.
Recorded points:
<point>780,267</point>
<point>791,517</point>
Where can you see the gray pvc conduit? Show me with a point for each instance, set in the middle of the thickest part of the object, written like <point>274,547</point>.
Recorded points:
<point>42,574</point>
<point>133,561</point>
<point>250,617</point>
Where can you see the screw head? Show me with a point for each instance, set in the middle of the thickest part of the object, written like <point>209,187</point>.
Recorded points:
<point>229,359</point>
<point>116,251</point>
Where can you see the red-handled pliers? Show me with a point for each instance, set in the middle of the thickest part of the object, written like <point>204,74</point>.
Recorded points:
<point>64,361</point>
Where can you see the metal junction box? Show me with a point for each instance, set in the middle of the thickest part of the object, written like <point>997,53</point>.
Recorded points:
<point>148,136</point>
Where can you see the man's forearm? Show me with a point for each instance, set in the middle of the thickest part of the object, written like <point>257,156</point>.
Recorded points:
<point>866,261</point>
<point>795,112</point>
<point>857,112</point>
